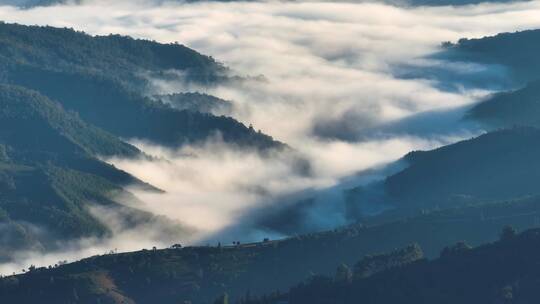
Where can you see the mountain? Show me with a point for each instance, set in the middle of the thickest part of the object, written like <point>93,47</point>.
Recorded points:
<point>50,176</point>
<point>517,51</point>
<point>201,274</point>
<point>515,108</point>
<point>103,78</point>
<point>499,165</point>
<point>119,57</point>
<point>196,102</point>
<point>65,100</point>
<point>460,275</point>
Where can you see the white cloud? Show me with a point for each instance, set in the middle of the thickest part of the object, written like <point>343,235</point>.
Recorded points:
<point>329,66</point>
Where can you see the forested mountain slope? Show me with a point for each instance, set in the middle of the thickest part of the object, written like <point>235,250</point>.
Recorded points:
<point>507,271</point>
<point>65,99</point>
<point>31,124</point>
<point>196,102</point>
<point>119,57</point>
<point>200,274</point>
<point>518,51</point>
<point>49,173</point>
<point>515,108</point>
<point>500,165</point>
<point>105,78</point>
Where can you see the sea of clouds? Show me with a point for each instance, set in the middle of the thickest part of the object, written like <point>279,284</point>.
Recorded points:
<point>350,87</point>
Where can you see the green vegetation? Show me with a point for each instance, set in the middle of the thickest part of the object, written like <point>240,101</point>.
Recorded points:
<point>506,271</point>
<point>103,78</point>
<point>500,165</point>
<point>515,108</point>
<point>203,274</point>
<point>196,102</point>
<point>518,51</point>
<point>49,176</point>
<point>117,57</point>
<point>33,125</point>
<point>65,98</point>
<point>373,264</point>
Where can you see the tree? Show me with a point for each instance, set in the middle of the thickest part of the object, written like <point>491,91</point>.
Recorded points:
<point>343,274</point>
<point>508,233</point>
<point>224,299</point>
<point>457,248</point>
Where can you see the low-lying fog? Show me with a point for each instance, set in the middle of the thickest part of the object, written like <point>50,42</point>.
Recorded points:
<point>349,87</point>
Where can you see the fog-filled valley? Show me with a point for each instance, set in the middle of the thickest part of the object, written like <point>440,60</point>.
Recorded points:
<point>227,149</point>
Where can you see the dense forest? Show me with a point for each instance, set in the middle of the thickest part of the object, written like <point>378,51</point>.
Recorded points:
<point>201,274</point>
<point>515,108</point>
<point>61,95</point>
<point>496,166</point>
<point>516,51</point>
<point>49,173</point>
<point>506,271</point>
<point>106,77</point>
<point>196,102</point>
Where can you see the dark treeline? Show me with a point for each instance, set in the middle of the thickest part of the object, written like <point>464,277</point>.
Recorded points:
<point>506,271</point>
<point>201,274</point>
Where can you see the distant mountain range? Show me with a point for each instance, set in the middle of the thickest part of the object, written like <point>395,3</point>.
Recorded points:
<point>518,52</point>
<point>515,108</point>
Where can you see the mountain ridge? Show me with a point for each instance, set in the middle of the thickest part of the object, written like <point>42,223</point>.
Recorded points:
<point>50,175</point>
<point>106,77</point>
